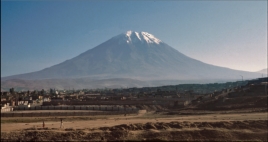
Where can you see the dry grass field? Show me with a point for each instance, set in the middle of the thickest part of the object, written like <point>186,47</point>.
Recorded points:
<point>150,126</point>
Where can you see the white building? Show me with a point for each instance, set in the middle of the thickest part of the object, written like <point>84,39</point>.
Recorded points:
<point>6,108</point>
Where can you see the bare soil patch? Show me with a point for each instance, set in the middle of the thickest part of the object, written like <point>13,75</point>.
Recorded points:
<point>254,130</point>
<point>146,127</point>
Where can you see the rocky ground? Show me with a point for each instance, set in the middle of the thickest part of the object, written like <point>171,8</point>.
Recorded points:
<point>253,130</point>
<point>146,127</point>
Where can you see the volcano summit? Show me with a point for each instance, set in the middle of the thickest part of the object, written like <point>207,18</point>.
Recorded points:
<point>134,55</point>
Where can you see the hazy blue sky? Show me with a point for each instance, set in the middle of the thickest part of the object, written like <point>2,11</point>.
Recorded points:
<point>39,34</point>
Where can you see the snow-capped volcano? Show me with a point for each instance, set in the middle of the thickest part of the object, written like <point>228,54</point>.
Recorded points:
<point>138,55</point>
<point>133,37</point>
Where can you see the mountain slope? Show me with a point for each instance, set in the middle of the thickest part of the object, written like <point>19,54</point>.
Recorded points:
<point>264,71</point>
<point>137,55</point>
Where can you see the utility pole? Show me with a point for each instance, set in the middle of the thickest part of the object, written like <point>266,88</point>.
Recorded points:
<point>242,77</point>
<point>265,88</point>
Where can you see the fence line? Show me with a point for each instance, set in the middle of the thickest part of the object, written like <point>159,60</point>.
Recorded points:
<point>48,114</point>
<point>103,108</point>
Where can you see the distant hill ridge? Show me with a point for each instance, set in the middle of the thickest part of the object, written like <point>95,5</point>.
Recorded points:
<point>264,71</point>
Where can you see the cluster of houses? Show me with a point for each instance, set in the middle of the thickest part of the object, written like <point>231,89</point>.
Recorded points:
<point>12,98</point>
<point>28,99</point>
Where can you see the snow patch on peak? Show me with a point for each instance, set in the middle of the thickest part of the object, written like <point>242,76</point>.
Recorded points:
<point>132,37</point>
<point>138,36</point>
<point>149,38</point>
<point>128,33</point>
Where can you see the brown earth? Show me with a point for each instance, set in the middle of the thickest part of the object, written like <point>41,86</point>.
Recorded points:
<point>149,127</point>
<point>179,131</point>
